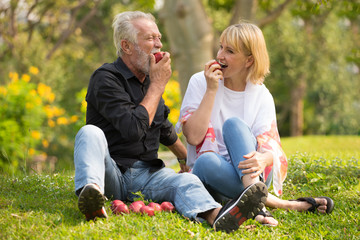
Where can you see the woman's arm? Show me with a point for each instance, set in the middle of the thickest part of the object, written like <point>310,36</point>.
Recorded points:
<point>196,126</point>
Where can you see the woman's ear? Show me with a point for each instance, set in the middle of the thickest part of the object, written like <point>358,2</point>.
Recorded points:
<point>125,46</point>
<point>249,61</point>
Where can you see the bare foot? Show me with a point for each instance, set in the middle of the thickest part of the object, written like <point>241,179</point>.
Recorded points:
<point>303,206</point>
<point>264,217</point>
<point>266,220</point>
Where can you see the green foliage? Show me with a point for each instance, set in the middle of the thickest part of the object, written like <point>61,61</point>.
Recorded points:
<point>316,48</point>
<point>30,122</point>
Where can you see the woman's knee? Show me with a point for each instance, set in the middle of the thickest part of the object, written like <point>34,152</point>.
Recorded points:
<point>235,123</point>
<point>206,163</point>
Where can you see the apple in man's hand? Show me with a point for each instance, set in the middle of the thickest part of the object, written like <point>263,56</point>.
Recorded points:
<point>167,206</point>
<point>155,206</point>
<point>135,206</point>
<point>158,56</point>
<point>147,210</point>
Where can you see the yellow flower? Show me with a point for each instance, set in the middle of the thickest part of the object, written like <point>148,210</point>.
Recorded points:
<point>33,70</point>
<point>35,134</point>
<point>62,121</point>
<point>45,92</point>
<point>33,92</point>
<point>26,77</point>
<point>74,118</point>
<point>51,123</point>
<point>29,105</point>
<point>45,143</point>
<point>31,151</point>
<point>14,76</point>
<point>3,90</point>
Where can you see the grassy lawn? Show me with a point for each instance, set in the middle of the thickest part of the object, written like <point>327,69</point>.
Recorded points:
<point>45,207</point>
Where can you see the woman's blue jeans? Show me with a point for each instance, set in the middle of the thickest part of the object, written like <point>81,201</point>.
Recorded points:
<point>93,164</point>
<point>223,178</point>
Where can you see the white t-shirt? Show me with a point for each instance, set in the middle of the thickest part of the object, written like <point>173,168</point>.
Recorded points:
<point>231,100</point>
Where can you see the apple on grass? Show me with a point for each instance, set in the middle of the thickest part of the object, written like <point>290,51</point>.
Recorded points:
<point>155,206</point>
<point>158,56</point>
<point>116,203</point>
<point>167,206</point>
<point>121,209</point>
<point>147,210</point>
<point>135,206</point>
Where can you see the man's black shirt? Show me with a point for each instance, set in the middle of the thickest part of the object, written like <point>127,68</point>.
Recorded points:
<point>113,98</point>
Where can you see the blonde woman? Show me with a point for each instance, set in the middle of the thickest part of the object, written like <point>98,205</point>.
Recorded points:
<point>228,118</point>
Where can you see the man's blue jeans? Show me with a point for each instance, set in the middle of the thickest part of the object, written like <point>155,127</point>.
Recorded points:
<point>93,164</point>
<point>223,178</point>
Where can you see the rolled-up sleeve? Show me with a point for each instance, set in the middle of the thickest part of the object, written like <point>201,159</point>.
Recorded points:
<point>168,134</point>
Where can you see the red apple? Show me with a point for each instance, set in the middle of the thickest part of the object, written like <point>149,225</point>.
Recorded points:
<point>216,62</point>
<point>116,203</point>
<point>135,206</point>
<point>147,210</point>
<point>155,206</point>
<point>158,56</point>
<point>167,206</point>
<point>121,209</point>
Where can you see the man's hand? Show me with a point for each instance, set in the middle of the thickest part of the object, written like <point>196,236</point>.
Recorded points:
<point>184,168</point>
<point>160,72</point>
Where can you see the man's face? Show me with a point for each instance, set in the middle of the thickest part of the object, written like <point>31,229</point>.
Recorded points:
<point>149,42</point>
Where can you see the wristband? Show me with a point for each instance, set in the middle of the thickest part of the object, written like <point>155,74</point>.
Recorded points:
<point>182,160</point>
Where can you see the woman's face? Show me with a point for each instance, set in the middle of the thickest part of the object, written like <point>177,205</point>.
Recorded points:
<point>234,64</point>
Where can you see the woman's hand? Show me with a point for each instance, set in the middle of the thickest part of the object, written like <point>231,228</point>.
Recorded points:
<point>256,163</point>
<point>212,74</point>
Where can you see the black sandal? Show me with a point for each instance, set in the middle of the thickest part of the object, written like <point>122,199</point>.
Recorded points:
<point>314,205</point>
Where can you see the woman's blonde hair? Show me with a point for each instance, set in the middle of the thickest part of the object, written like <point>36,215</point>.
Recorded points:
<point>124,28</point>
<point>248,39</point>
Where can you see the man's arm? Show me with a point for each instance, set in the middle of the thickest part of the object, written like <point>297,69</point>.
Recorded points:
<point>160,74</point>
<point>180,152</point>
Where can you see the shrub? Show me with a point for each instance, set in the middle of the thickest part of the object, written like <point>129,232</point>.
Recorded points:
<point>29,121</point>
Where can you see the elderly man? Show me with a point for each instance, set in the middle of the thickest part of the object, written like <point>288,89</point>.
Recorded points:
<point>116,153</point>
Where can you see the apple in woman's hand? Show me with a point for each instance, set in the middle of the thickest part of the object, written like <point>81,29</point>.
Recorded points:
<point>216,62</point>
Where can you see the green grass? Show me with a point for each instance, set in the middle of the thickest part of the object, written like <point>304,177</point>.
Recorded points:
<point>45,206</point>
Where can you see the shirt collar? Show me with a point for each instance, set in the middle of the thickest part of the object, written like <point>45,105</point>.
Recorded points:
<point>125,71</point>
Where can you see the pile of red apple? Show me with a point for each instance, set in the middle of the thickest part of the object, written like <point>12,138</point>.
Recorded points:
<point>119,207</point>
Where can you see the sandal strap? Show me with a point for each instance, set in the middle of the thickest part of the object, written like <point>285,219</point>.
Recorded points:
<point>310,200</point>
<point>265,213</point>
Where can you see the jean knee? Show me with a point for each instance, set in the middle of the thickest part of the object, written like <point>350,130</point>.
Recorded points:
<point>88,132</point>
<point>234,122</point>
<point>206,163</point>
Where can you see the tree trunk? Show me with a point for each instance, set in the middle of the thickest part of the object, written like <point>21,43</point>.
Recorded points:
<point>297,108</point>
<point>190,37</point>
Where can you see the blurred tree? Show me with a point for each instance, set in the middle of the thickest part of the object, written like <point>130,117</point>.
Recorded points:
<point>191,35</point>
<point>298,54</point>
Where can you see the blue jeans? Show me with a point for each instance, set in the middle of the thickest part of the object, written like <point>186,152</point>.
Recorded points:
<point>222,178</point>
<point>93,164</point>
